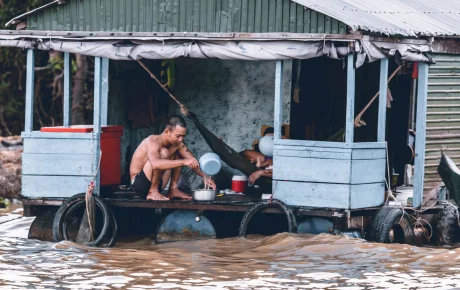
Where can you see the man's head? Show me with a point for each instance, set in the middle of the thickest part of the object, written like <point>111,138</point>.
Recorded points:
<point>175,130</point>
<point>270,131</point>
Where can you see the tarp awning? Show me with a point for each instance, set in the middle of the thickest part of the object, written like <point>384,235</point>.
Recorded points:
<point>228,50</point>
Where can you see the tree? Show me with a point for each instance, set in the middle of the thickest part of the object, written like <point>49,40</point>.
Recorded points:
<point>48,93</point>
<point>78,100</point>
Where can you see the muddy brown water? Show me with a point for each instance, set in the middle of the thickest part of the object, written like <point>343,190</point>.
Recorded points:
<point>283,261</point>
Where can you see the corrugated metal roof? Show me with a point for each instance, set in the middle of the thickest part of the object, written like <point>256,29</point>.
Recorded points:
<point>394,17</point>
<point>56,2</point>
<point>252,16</point>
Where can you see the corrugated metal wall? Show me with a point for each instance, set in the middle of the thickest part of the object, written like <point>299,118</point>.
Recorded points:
<point>256,16</point>
<point>443,115</point>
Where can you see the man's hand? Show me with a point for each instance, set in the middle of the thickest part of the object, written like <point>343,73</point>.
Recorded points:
<point>192,163</point>
<point>253,177</point>
<point>210,182</point>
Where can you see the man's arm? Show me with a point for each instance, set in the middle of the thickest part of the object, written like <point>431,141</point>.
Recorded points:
<point>268,173</point>
<point>153,154</point>
<point>256,175</point>
<point>264,164</point>
<point>186,154</point>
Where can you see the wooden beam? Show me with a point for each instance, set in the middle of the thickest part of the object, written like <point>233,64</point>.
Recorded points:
<point>105,91</point>
<point>30,81</point>
<point>278,114</point>
<point>420,140</point>
<point>67,108</point>
<point>382,100</point>
<point>350,113</point>
<point>183,35</point>
<point>97,121</point>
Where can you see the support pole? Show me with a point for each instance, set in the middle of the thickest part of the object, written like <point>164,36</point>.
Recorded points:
<point>67,108</point>
<point>350,114</point>
<point>30,80</point>
<point>105,91</point>
<point>278,112</point>
<point>420,139</point>
<point>382,100</point>
<point>97,120</point>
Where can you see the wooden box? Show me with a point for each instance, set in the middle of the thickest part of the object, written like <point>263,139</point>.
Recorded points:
<point>62,163</point>
<point>329,174</point>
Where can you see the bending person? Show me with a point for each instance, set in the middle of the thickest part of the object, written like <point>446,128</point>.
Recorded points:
<point>160,158</point>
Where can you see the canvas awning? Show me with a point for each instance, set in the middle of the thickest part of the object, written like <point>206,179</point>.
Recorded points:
<point>366,49</point>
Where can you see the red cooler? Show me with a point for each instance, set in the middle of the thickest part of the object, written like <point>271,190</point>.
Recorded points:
<point>239,183</point>
<point>110,145</point>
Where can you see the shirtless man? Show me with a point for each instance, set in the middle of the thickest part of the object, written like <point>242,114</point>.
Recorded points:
<point>160,158</point>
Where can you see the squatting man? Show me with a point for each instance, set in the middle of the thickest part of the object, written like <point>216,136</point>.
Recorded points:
<point>159,159</point>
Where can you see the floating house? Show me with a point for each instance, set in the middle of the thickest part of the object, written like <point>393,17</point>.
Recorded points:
<point>309,66</point>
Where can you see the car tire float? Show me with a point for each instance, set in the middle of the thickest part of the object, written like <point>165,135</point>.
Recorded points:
<point>447,228</point>
<point>392,225</point>
<point>109,224</point>
<point>292,223</point>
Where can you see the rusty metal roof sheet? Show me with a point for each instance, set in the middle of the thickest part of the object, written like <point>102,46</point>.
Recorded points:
<point>394,17</point>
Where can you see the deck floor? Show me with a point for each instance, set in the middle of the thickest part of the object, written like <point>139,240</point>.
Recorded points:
<point>234,203</point>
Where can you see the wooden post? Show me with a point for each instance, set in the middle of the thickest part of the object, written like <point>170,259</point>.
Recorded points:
<point>382,100</point>
<point>30,81</point>
<point>67,108</point>
<point>97,120</point>
<point>105,91</point>
<point>278,110</point>
<point>350,114</point>
<point>87,231</point>
<point>420,139</point>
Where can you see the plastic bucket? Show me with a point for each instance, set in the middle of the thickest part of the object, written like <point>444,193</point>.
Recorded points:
<point>239,183</point>
<point>210,163</point>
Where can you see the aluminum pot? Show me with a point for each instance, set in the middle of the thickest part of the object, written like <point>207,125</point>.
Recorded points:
<point>204,194</point>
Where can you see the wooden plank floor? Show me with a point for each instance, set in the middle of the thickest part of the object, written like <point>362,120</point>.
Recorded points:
<point>229,203</point>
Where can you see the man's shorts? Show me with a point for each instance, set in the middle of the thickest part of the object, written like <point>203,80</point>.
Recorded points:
<point>141,184</point>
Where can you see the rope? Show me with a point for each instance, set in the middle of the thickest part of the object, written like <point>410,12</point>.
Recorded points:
<point>183,109</point>
<point>416,219</point>
<point>358,121</point>
<point>90,188</point>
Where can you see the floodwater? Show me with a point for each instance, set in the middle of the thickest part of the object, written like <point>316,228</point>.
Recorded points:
<point>282,261</point>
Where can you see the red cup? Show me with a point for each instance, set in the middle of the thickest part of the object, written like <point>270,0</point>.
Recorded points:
<point>239,183</point>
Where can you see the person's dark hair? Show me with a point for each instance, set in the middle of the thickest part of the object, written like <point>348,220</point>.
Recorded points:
<point>270,130</point>
<point>174,121</point>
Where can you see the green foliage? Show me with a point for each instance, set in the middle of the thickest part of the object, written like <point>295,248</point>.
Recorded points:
<point>12,70</point>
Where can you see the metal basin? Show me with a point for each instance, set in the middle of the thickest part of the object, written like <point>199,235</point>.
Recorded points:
<point>204,194</point>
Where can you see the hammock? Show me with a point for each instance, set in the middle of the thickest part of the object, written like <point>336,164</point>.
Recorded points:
<point>225,152</point>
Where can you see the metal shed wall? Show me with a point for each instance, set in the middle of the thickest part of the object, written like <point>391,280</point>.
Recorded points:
<point>443,115</point>
<point>253,16</point>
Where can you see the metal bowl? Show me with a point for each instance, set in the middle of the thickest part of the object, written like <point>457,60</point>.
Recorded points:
<point>204,194</point>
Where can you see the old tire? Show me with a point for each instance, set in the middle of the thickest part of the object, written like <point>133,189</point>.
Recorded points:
<point>57,232</point>
<point>447,228</point>
<point>74,202</point>
<point>392,225</point>
<point>292,223</point>
<point>106,232</point>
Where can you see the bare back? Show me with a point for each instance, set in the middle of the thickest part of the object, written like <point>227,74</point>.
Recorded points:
<point>140,156</point>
